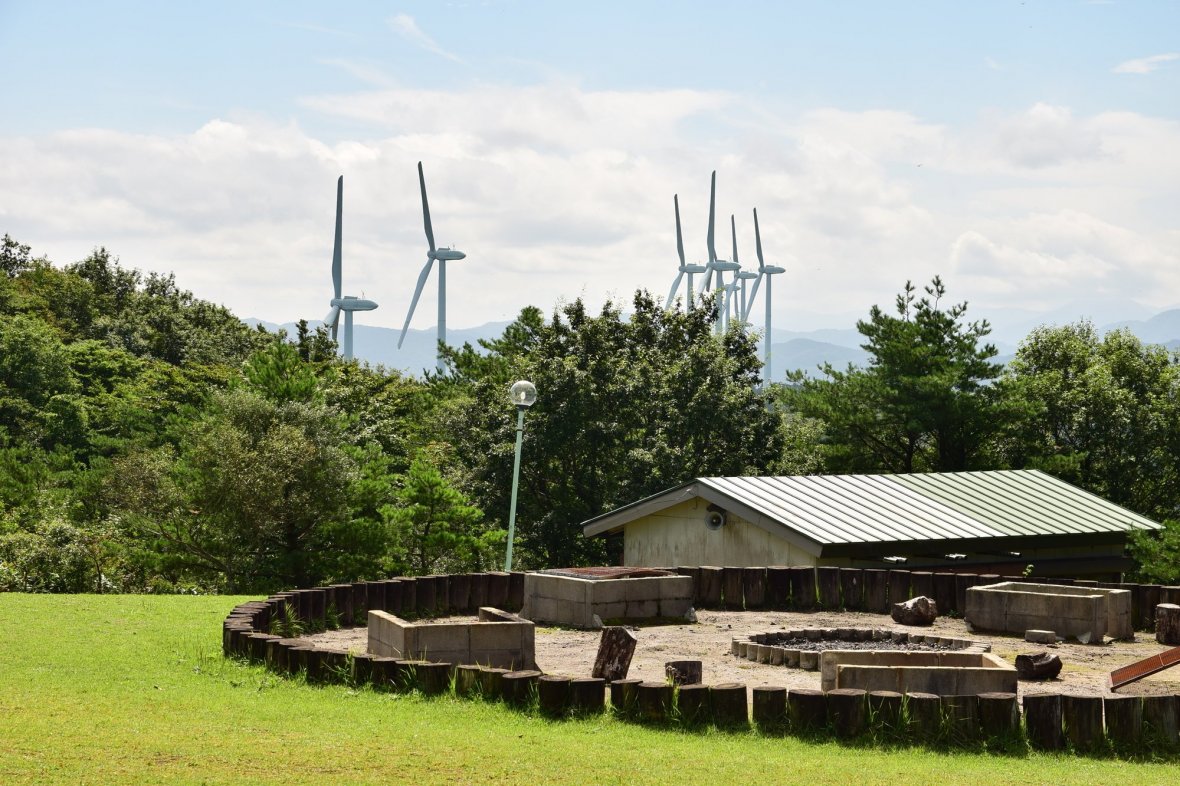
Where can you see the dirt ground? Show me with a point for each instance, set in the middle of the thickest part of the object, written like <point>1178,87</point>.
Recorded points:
<point>1086,667</point>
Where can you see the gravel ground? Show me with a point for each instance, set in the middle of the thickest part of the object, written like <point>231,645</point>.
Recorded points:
<point>564,651</point>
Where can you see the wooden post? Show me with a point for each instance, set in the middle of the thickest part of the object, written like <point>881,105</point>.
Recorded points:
<point>964,581</point>
<point>587,695</point>
<point>925,714</point>
<point>731,592</point>
<point>553,695</point>
<point>459,594</point>
<point>999,715</point>
<point>846,708</point>
<point>393,599</point>
<point>519,687</point>
<point>477,588</point>
<point>1167,623</point>
<point>899,587</point>
<point>730,709</point>
<point>515,601</point>
<point>921,584</point>
<point>1147,596</point>
<point>710,589</point>
<point>624,697</point>
<point>491,682</point>
<point>684,672</point>
<point>802,588</point>
<point>692,704</point>
<point>876,593</point>
<point>1124,720</point>
<point>754,587</point>
<point>694,573</point>
<point>807,709</point>
<point>466,680</point>
<point>616,647</point>
<point>383,674</point>
<point>1082,716</point>
<point>770,707</point>
<point>409,599</point>
<point>944,592</point>
<point>1160,720</point>
<point>427,599</point>
<point>655,700</point>
<point>852,589</point>
<point>885,710</point>
<point>498,589</point>
<point>433,678</point>
<point>961,715</point>
<point>827,580</point>
<point>1042,719</point>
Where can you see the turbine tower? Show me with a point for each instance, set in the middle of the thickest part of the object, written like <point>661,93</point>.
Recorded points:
<point>742,275</point>
<point>443,255</point>
<point>684,268</point>
<point>347,303</point>
<point>767,271</point>
<point>715,265</point>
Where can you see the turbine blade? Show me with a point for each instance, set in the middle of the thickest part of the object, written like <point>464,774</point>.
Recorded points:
<point>672,291</point>
<point>758,243</point>
<point>733,234</point>
<point>679,237</point>
<point>414,303</point>
<point>425,211</point>
<point>753,294</point>
<point>333,317</point>
<point>337,262</point>
<point>712,210</point>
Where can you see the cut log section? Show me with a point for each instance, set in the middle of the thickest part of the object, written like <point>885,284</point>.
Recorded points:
<point>684,672</point>
<point>616,647</point>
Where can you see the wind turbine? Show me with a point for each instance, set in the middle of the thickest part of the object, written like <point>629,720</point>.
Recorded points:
<point>684,268</point>
<point>347,303</point>
<point>443,255</point>
<point>767,271</point>
<point>715,265</point>
<point>742,275</point>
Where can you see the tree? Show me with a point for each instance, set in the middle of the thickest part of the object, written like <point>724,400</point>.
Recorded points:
<point>929,399</point>
<point>436,529</point>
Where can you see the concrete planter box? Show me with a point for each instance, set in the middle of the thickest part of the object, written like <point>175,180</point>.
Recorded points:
<point>499,639</point>
<point>943,673</point>
<point>1084,613</point>
<point>586,602</point>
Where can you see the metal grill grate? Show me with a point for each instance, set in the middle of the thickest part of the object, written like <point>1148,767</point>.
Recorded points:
<point>1141,669</point>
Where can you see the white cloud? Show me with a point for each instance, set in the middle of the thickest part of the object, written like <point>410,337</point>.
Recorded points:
<point>405,26</point>
<point>1145,65</point>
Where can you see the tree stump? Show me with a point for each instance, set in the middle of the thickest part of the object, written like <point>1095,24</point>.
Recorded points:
<point>655,701</point>
<point>710,587</point>
<point>616,647</point>
<point>770,706</point>
<point>885,710</point>
<point>730,709</point>
<point>1038,666</point>
<point>553,695</point>
<point>1160,722</point>
<point>852,588</point>
<point>491,682</point>
<point>519,687</point>
<point>1124,720</point>
<point>684,672</point>
<point>803,594</point>
<point>731,591</point>
<point>588,695</point>
<point>433,678</point>
<point>925,714</point>
<point>754,587</point>
<point>778,587</point>
<point>876,592</point>
<point>1167,623</point>
<point>467,680</point>
<point>1082,716</point>
<point>624,697</point>
<point>827,580</point>
<point>692,704</point>
<point>1042,719</point>
<point>807,709</point>
<point>999,715</point>
<point>846,709</point>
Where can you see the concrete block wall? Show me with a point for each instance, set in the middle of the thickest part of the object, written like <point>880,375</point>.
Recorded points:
<point>1085,613</point>
<point>941,673</point>
<point>499,642</point>
<point>586,603</point>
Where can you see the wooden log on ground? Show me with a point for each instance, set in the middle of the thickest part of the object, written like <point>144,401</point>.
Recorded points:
<point>730,708</point>
<point>553,695</point>
<point>803,588</point>
<point>827,580</point>
<point>1082,718</point>
<point>769,706</point>
<point>692,704</point>
<point>807,709</point>
<point>1124,720</point>
<point>999,715</point>
<point>655,701</point>
<point>847,710</point>
<point>684,672</point>
<point>515,600</point>
<point>710,587</point>
<point>1043,721</point>
<point>921,584</point>
<point>778,587</point>
<point>477,590</point>
<point>466,680</point>
<point>616,647</point>
<point>1038,666</point>
<point>924,711</point>
<point>885,710</point>
<point>519,687</point>
<point>852,589</point>
<point>624,697</point>
<point>1160,721</point>
<point>587,695</point>
<point>731,588</point>
<point>459,594</point>
<point>1167,623</point>
<point>498,582</point>
<point>754,587</point>
<point>876,592</point>
<point>944,592</point>
<point>491,685</point>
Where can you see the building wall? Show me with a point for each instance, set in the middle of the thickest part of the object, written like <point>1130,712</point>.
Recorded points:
<point>678,536</point>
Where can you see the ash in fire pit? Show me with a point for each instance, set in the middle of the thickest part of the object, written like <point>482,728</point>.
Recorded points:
<point>802,648</point>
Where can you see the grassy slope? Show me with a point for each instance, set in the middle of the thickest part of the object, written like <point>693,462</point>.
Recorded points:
<point>133,689</point>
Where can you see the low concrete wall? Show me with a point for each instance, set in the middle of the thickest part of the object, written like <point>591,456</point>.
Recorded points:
<point>941,673</point>
<point>499,639</point>
<point>1085,613</point>
<point>587,603</point>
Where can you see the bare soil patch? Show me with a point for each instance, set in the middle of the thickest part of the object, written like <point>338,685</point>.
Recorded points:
<point>1086,667</point>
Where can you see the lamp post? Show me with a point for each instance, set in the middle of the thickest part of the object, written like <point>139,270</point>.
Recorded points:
<point>523,395</point>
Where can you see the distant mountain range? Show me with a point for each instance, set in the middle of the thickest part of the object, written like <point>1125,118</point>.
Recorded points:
<point>790,350</point>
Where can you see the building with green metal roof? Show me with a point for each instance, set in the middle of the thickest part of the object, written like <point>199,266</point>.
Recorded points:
<point>994,522</point>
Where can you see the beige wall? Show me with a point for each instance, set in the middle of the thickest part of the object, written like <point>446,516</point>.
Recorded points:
<point>678,536</point>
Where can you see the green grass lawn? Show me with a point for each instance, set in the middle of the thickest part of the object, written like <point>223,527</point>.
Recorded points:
<point>133,689</point>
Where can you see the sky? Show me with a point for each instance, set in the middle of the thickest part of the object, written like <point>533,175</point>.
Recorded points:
<point>1026,152</point>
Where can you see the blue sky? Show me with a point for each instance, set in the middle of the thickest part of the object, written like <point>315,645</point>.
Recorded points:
<point>1029,152</point>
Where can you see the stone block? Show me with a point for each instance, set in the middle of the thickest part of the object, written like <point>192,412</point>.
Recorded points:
<point>1040,636</point>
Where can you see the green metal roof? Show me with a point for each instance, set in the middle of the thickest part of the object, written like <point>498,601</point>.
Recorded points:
<point>837,512</point>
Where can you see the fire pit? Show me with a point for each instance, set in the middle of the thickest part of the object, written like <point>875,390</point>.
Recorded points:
<point>588,597</point>
<point>801,648</point>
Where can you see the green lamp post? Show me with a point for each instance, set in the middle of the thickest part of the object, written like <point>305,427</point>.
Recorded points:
<point>523,395</point>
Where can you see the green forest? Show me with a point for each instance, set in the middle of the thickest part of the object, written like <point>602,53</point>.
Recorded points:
<point>153,442</point>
